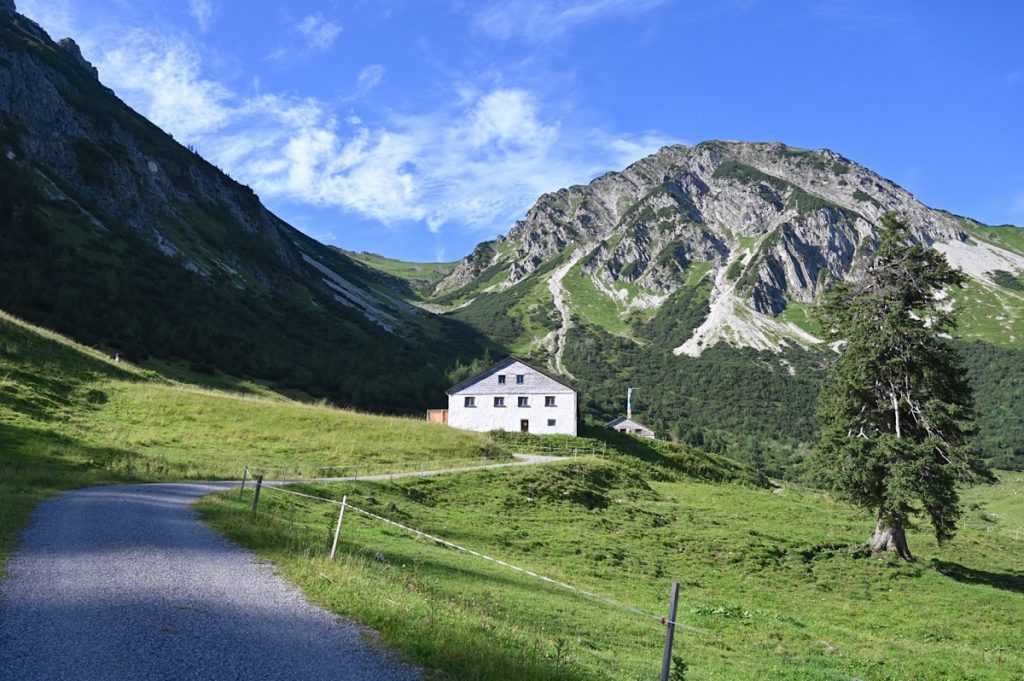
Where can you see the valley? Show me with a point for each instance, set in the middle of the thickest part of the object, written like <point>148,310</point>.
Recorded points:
<point>159,323</point>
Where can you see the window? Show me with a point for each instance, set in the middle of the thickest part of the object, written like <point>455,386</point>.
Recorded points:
<point>470,402</point>
<point>549,401</point>
<point>520,379</point>
<point>551,423</point>
<point>524,401</point>
<point>499,401</point>
<point>501,380</point>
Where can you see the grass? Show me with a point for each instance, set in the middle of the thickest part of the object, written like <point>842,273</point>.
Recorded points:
<point>994,315</point>
<point>592,305</point>
<point>774,577</point>
<point>1010,238</point>
<point>800,315</point>
<point>72,417</point>
<point>421,276</point>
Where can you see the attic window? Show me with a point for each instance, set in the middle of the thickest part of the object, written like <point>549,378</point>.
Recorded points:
<point>470,402</point>
<point>501,379</point>
<point>520,379</point>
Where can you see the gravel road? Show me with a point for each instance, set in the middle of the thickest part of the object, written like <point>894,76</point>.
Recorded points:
<point>125,583</point>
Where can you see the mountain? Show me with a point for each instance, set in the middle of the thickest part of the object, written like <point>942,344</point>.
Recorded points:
<point>764,226</point>
<point>119,236</point>
<point>690,275</point>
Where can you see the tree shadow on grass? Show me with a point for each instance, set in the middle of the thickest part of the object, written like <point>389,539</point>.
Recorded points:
<point>966,575</point>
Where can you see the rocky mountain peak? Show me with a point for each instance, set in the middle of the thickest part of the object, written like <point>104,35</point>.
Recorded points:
<point>757,227</point>
<point>70,47</point>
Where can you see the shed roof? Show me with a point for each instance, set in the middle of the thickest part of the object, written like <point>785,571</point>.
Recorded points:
<point>622,420</point>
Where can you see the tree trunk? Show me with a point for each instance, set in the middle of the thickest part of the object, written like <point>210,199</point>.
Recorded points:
<point>890,536</point>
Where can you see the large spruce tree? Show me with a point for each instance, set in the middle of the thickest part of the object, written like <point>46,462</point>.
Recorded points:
<point>896,409</point>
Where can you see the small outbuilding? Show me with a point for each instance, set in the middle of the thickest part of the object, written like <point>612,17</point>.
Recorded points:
<point>624,424</point>
<point>516,397</point>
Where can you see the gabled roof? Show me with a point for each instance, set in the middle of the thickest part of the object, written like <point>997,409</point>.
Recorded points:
<point>622,419</point>
<point>497,366</point>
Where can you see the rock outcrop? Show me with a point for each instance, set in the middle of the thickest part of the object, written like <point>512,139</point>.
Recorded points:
<point>71,48</point>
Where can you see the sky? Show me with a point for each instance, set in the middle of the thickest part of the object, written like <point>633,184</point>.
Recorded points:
<point>418,128</point>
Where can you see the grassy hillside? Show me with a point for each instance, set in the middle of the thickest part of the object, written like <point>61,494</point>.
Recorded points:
<point>70,416</point>
<point>773,578</point>
<point>415,278</point>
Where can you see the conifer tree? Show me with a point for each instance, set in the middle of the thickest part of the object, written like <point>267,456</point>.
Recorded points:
<point>896,409</point>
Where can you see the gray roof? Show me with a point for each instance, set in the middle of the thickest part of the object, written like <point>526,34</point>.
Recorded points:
<point>629,423</point>
<point>539,382</point>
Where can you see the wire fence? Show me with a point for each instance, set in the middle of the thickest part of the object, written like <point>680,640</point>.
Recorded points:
<point>522,445</point>
<point>344,505</point>
<point>370,471</point>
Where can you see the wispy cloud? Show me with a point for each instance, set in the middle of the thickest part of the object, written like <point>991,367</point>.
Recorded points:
<point>549,19</point>
<point>321,33</point>
<point>164,75</point>
<point>202,12</point>
<point>478,163</point>
<point>369,78</point>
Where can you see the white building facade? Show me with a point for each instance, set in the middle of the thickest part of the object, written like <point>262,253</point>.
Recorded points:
<point>515,397</point>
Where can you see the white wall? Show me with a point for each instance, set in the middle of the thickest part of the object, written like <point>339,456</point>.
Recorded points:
<point>484,416</point>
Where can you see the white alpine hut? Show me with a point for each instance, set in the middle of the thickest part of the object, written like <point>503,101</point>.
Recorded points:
<point>513,396</point>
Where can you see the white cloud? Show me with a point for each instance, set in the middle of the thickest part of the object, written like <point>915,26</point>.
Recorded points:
<point>369,78</point>
<point>163,75</point>
<point>548,19</point>
<point>202,12</point>
<point>320,32</point>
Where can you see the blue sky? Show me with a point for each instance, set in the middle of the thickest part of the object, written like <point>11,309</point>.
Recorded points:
<point>419,128</point>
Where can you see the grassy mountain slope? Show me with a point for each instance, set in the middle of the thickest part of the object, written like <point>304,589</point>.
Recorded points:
<point>70,416</point>
<point>415,279</point>
<point>115,234</point>
<point>772,577</point>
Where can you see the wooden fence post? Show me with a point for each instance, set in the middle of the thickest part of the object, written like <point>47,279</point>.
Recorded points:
<point>337,530</point>
<point>666,660</point>
<point>256,499</point>
<point>241,489</point>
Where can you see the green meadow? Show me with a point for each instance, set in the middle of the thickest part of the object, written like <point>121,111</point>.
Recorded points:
<point>772,577</point>
<point>774,584</point>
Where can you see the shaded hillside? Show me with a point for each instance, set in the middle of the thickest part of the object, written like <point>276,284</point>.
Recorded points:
<point>116,234</point>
